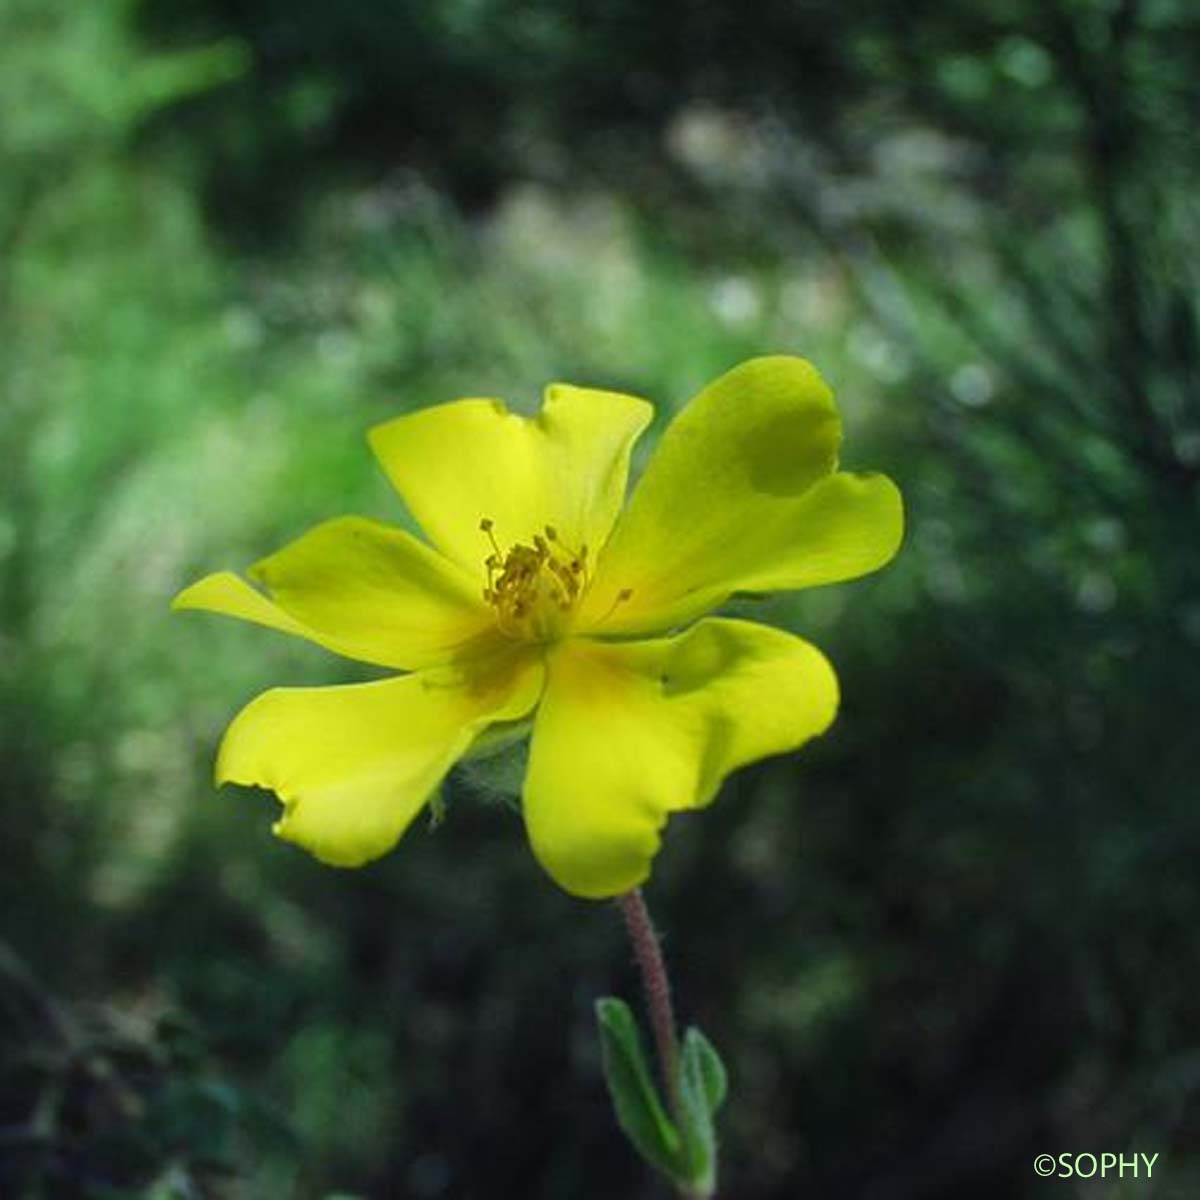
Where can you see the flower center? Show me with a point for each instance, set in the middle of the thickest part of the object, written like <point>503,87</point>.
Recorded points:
<point>533,588</point>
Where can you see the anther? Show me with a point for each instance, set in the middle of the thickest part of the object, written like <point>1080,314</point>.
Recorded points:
<point>486,525</point>
<point>620,598</point>
<point>531,583</point>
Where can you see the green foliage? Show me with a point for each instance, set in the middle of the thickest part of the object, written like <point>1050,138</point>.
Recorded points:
<point>956,930</point>
<point>99,1106</point>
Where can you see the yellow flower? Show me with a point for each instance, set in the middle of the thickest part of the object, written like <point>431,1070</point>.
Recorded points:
<point>538,602</point>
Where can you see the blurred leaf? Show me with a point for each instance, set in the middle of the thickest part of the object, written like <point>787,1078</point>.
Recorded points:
<point>160,80</point>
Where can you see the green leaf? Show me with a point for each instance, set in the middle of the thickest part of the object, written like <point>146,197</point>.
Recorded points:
<point>703,1083</point>
<point>709,1067</point>
<point>640,1110</point>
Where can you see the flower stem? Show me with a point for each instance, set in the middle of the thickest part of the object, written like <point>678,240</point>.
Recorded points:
<point>657,986</point>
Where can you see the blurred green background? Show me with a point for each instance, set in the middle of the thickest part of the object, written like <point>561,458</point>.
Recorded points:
<point>957,933</point>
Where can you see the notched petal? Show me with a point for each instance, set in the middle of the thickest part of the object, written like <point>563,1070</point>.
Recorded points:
<point>353,765</point>
<point>459,463</point>
<point>741,495</point>
<point>628,733</point>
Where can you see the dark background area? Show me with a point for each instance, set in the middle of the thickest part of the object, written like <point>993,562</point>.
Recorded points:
<point>957,933</point>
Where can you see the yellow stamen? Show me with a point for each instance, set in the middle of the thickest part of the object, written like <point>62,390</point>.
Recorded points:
<point>533,587</point>
<point>486,526</point>
<point>623,595</point>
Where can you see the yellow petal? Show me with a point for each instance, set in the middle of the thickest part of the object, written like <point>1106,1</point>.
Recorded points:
<point>456,464</point>
<point>354,765</point>
<point>741,495</point>
<point>360,588</point>
<point>229,594</point>
<point>629,732</point>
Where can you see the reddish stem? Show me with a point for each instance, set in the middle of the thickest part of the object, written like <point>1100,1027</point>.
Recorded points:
<point>658,990</point>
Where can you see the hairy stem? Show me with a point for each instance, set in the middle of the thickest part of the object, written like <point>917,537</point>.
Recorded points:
<point>657,985</point>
